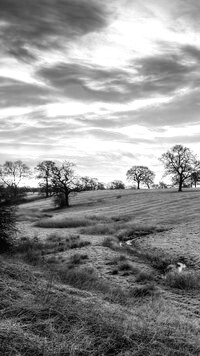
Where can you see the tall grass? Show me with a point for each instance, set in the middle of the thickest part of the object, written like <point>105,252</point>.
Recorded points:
<point>64,223</point>
<point>158,259</point>
<point>132,230</point>
<point>74,222</point>
<point>35,251</point>
<point>42,318</point>
<point>99,229</point>
<point>185,280</point>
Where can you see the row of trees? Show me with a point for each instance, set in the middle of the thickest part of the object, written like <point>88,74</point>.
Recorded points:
<point>57,180</point>
<point>179,163</point>
<point>60,180</point>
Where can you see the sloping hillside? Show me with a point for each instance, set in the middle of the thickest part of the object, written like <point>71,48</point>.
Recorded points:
<point>93,279</point>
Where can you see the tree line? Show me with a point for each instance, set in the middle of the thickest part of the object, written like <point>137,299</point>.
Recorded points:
<point>61,181</point>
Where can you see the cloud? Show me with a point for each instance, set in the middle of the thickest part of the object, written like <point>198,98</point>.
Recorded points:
<point>191,51</point>
<point>19,94</point>
<point>179,140</point>
<point>108,135</point>
<point>144,78</point>
<point>183,109</point>
<point>27,25</point>
<point>87,82</point>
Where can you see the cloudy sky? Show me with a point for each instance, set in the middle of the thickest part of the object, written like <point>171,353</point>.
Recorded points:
<point>105,84</point>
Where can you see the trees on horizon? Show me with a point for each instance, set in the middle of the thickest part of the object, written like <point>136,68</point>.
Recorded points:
<point>116,184</point>
<point>140,174</point>
<point>180,163</point>
<point>89,183</point>
<point>60,180</point>
<point>45,169</point>
<point>11,175</point>
<point>64,182</point>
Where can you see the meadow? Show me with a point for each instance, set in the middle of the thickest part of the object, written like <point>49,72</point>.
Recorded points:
<point>92,279</point>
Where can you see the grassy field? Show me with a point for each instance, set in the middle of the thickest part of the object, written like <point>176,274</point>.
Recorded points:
<point>93,280</point>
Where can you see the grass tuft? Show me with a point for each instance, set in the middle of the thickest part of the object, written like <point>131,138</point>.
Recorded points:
<point>143,290</point>
<point>110,242</point>
<point>77,259</point>
<point>99,229</point>
<point>131,231</point>
<point>125,266</point>
<point>158,259</point>
<point>35,251</point>
<point>144,276</point>
<point>183,280</point>
<point>64,223</point>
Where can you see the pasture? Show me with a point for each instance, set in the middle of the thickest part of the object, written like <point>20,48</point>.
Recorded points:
<point>92,280</point>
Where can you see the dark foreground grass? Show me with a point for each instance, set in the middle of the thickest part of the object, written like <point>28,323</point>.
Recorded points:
<point>184,280</point>
<point>86,278</point>
<point>41,317</point>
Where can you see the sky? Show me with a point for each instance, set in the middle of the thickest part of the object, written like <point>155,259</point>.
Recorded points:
<point>104,84</point>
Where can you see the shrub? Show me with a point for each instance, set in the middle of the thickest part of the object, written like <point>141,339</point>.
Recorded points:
<point>7,227</point>
<point>183,280</point>
<point>144,276</point>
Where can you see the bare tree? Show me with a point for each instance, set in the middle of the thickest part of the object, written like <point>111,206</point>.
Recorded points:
<point>179,162</point>
<point>140,174</point>
<point>45,169</point>
<point>12,173</point>
<point>64,182</point>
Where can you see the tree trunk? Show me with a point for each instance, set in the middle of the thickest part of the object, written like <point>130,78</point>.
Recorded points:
<point>138,184</point>
<point>180,183</point>
<point>47,188</point>
<point>67,199</point>
<point>15,190</point>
